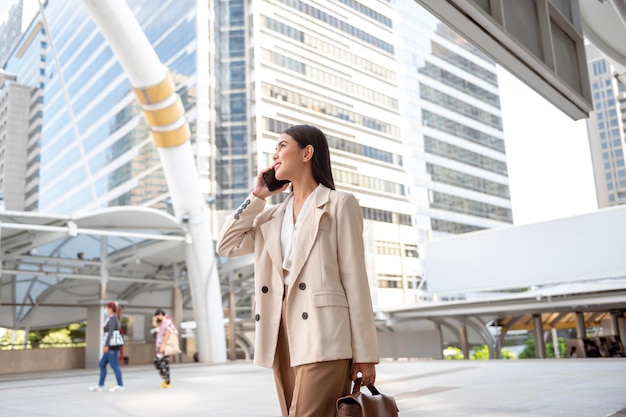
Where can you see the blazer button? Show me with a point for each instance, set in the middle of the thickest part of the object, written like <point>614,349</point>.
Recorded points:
<point>305,315</point>
<point>265,289</point>
<point>257,317</point>
<point>302,286</point>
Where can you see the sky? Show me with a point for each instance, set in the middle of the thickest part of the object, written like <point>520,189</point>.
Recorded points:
<point>30,7</point>
<point>550,174</point>
<point>5,5</point>
<point>549,163</point>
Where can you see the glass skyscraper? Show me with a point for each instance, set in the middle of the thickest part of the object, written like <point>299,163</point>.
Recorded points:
<point>607,138</point>
<point>410,109</point>
<point>95,150</point>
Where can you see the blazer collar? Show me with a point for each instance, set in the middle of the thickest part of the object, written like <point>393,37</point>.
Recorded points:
<point>306,234</point>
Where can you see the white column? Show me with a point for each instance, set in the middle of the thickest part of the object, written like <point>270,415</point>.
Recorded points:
<point>464,342</point>
<point>555,342</point>
<point>581,328</point>
<point>540,344</point>
<point>93,335</point>
<point>138,328</point>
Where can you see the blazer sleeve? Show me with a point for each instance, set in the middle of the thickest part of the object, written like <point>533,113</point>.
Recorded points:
<point>237,235</point>
<point>351,256</point>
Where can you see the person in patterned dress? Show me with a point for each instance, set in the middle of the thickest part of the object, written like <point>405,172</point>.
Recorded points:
<point>165,330</point>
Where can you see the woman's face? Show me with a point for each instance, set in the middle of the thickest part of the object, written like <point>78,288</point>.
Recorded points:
<point>288,158</point>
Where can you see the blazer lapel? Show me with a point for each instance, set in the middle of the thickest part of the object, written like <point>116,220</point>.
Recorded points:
<point>308,231</point>
<point>271,234</point>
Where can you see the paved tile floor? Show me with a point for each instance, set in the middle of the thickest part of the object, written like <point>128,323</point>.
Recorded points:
<point>537,388</point>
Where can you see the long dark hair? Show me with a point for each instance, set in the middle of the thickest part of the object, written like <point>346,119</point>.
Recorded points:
<point>320,163</point>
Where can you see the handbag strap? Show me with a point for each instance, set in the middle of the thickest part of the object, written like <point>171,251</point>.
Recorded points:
<point>357,387</point>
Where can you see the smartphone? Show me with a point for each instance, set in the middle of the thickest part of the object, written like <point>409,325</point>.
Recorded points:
<point>272,183</point>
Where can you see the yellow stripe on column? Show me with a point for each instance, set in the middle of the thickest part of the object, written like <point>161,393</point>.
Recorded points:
<point>171,138</point>
<point>156,93</point>
<point>166,115</point>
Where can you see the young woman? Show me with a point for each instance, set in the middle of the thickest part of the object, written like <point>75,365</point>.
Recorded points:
<point>111,351</point>
<point>313,310</point>
<point>165,330</point>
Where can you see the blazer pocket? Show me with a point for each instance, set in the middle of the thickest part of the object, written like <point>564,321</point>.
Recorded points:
<point>328,298</point>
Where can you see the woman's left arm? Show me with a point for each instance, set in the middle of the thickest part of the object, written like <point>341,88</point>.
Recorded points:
<point>109,327</point>
<point>351,258</point>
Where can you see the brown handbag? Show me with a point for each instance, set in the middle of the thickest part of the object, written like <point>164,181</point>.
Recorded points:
<point>361,404</point>
<point>172,347</point>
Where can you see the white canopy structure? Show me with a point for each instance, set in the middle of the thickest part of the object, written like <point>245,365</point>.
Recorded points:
<point>54,265</point>
<point>604,24</point>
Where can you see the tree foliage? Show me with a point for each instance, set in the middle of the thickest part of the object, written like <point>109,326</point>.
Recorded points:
<point>57,338</point>
<point>530,349</point>
<point>480,353</point>
<point>452,352</point>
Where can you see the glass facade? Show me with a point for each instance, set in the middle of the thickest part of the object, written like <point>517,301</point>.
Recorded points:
<point>95,149</point>
<point>234,160</point>
<point>607,137</point>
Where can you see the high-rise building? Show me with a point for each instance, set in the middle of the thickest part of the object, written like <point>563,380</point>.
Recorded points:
<point>331,65</point>
<point>607,137</point>
<point>452,126</point>
<point>22,91</point>
<point>14,104</point>
<point>410,109</point>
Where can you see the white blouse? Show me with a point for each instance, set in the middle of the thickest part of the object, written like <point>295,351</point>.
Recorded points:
<point>289,234</point>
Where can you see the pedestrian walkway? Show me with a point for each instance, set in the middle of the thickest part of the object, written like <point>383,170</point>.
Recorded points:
<point>533,388</point>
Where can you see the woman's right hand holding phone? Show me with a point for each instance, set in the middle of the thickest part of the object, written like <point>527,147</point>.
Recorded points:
<point>261,189</point>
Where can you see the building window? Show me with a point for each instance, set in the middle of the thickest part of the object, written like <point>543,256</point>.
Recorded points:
<point>387,248</point>
<point>466,181</point>
<point>460,130</point>
<point>457,204</point>
<point>452,227</point>
<point>410,251</point>
<point>389,282</point>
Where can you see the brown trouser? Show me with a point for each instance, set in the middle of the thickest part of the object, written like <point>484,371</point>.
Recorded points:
<point>309,390</point>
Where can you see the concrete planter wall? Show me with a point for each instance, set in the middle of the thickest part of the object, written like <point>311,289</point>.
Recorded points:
<point>58,359</point>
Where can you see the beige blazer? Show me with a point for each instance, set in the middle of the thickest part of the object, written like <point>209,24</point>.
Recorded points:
<point>329,311</point>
